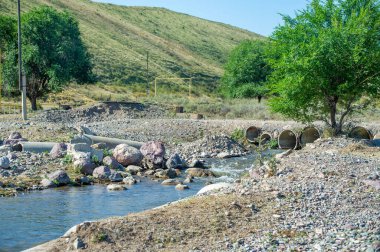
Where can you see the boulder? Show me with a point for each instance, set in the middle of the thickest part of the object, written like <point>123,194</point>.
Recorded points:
<point>129,181</point>
<point>81,139</point>
<point>102,172</point>
<point>85,180</point>
<point>116,187</point>
<point>115,177</point>
<point>96,155</point>
<point>215,188</point>
<point>168,173</point>
<point>60,178</point>
<point>111,162</point>
<point>133,169</point>
<point>196,163</point>
<point>154,152</point>
<point>59,150</point>
<point>182,187</point>
<point>46,183</point>
<point>188,181</point>
<point>127,155</point>
<point>175,162</point>
<point>170,182</point>
<point>85,166</point>
<point>78,147</point>
<point>4,162</point>
<point>199,172</point>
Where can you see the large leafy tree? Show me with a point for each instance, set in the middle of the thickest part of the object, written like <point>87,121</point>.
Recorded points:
<point>326,61</point>
<point>7,37</point>
<point>53,53</point>
<point>246,71</point>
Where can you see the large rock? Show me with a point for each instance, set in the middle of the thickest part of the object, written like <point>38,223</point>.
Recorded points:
<point>199,172</point>
<point>97,155</point>
<point>115,177</point>
<point>168,173</point>
<point>78,147</point>
<point>182,187</point>
<point>111,162</point>
<point>129,181</point>
<point>4,162</point>
<point>215,188</point>
<point>102,172</point>
<point>14,138</point>
<point>170,182</point>
<point>85,166</point>
<point>46,183</point>
<point>154,153</point>
<point>60,178</point>
<point>175,162</point>
<point>59,150</point>
<point>116,187</point>
<point>134,169</point>
<point>127,155</point>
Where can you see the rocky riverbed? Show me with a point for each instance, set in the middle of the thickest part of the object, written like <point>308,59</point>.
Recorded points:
<point>324,197</point>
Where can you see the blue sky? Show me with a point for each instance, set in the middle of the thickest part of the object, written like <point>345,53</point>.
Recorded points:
<point>260,16</point>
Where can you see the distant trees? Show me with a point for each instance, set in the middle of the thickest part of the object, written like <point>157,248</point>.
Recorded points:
<point>326,61</point>
<point>53,53</point>
<point>7,37</point>
<point>246,71</point>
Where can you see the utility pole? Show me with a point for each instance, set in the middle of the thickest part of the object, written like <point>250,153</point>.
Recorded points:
<point>21,79</point>
<point>147,74</point>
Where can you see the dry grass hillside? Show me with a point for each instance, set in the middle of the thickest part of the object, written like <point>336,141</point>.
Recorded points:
<point>120,37</point>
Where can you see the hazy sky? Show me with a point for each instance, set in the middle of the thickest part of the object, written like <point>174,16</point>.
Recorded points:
<point>260,16</point>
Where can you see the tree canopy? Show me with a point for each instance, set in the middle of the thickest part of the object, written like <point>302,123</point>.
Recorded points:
<point>246,71</point>
<point>53,53</point>
<point>326,61</point>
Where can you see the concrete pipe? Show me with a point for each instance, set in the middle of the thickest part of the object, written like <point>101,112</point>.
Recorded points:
<point>37,147</point>
<point>287,140</point>
<point>360,133</point>
<point>265,137</point>
<point>309,135</point>
<point>113,142</point>
<point>252,133</point>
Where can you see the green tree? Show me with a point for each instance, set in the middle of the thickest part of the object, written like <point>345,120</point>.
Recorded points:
<point>326,61</point>
<point>8,33</point>
<point>53,53</point>
<point>246,71</point>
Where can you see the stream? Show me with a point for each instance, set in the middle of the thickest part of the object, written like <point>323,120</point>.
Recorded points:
<point>37,217</point>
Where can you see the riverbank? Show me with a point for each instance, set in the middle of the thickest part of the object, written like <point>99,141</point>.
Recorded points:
<point>324,197</point>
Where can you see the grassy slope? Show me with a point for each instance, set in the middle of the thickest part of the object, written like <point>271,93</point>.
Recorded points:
<point>119,38</point>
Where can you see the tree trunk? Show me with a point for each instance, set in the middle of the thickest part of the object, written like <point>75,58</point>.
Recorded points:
<point>33,101</point>
<point>336,127</point>
<point>259,98</point>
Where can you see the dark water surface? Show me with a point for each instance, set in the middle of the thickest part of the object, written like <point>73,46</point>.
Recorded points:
<point>37,217</point>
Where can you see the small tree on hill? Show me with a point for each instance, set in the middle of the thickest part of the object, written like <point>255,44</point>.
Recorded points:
<point>246,71</point>
<point>53,53</point>
<point>326,61</point>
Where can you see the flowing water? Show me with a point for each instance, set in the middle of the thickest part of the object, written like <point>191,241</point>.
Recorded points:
<point>37,217</point>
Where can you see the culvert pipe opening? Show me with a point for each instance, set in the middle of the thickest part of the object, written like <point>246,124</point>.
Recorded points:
<point>252,133</point>
<point>265,138</point>
<point>309,135</point>
<point>360,133</point>
<point>287,140</point>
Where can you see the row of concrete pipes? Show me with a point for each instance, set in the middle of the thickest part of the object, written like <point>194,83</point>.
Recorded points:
<point>289,139</point>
